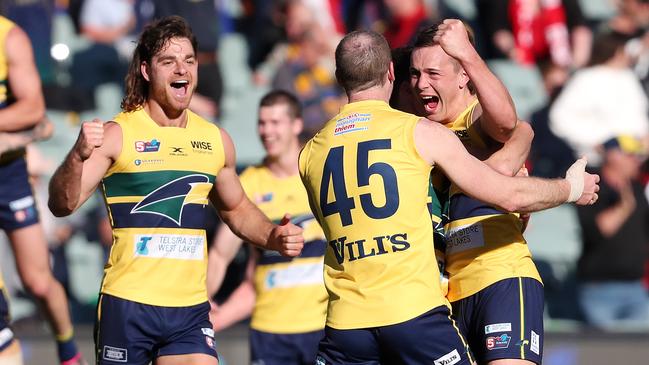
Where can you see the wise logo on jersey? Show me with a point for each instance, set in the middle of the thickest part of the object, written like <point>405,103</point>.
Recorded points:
<point>170,199</point>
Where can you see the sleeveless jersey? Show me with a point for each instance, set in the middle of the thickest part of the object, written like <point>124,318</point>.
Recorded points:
<point>5,26</point>
<point>483,244</point>
<point>438,208</point>
<point>291,297</point>
<point>369,188</point>
<point>5,95</point>
<point>157,197</point>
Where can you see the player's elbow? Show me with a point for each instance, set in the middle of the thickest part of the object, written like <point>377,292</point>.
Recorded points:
<point>34,112</point>
<point>512,202</point>
<point>58,211</point>
<point>59,208</point>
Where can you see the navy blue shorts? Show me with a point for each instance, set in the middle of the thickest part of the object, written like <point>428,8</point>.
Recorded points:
<point>6,334</point>
<point>429,339</point>
<point>284,349</point>
<point>17,204</point>
<point>128,332</point>
<point>504,320</point>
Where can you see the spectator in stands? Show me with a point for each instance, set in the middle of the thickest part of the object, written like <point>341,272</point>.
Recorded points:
<point>528,31</point>
<point>405,19</point>
<point>306,68</point>
<point>601,101</point>
<point>616,241</point>
<point>106,24</point>
<point>550,156</point>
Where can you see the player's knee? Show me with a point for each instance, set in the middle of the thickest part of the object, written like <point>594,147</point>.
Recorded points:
<point>38,285</point>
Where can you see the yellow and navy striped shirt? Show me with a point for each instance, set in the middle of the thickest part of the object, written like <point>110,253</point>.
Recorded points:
<point>483,244</point>
<point>157,197</point>
<point>291,297</point>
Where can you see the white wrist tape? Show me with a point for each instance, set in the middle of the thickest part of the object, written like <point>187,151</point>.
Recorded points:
<point>575,176</point>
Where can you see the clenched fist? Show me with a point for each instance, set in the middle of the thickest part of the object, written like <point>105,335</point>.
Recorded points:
<point>90,137</point>
<point>453,37</point>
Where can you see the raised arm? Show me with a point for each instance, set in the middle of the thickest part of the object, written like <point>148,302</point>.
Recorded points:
<point>97,146</point>
<point>496,108</point>
<point>224,247</point>
<point>28,107</point>
<point>513,194</point>
<point>244,218</point>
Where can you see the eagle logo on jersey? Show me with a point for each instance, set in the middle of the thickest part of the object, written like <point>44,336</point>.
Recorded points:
<point>170,199</point>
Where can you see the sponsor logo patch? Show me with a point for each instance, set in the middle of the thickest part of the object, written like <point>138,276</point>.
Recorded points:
<point>115,354</point>
<point>462,238</point>
<point>144,146</point>
<point>148,161</point>
<point>209,341</point>
<point>177,151</point>
<point>6,335</point>
<point>263,198</point>
<point>294,275</point>
<point>208,332</point>
<point>498,342</point>
<point>352,123</point>
<point>169,246</point>
<point>202,147</point>
<point>22,203</point>
<point>451,358</point>
<point>497,327</point>
<point>535,343</point>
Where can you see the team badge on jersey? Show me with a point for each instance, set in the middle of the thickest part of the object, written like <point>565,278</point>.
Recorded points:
<point>169,199</point>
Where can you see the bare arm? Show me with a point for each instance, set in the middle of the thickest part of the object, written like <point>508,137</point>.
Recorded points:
<point>10,141</point>
<point>25,85</point>
<point>244,218</point>
<point>513,194</point>
<point>97,146</point>
<point>224,247</point>
<point>512,155</point>
<point>496,105</point>
<point>239,304</point>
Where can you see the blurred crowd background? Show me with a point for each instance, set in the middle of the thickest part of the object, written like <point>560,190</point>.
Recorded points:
<point>578,71</point>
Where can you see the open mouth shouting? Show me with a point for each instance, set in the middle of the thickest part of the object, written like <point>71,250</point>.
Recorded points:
<point>180,88</point>
<point>430,103</point>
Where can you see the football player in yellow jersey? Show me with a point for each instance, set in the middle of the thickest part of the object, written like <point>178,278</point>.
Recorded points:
<point>366,173</point>
<point>495,290</point>
<point>21,109</point>
<point>160,165</point>
<point>286,296</point>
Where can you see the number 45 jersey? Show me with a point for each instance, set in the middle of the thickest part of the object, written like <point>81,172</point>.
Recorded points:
<point>368,188</point>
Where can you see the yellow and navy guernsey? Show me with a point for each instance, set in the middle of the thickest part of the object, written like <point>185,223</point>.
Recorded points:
<point>157,198</point>
<point>5,95</point>
<point>368,187</point>
<point>291,297</point>
<point>483,244</point>
<point>438,208</point>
